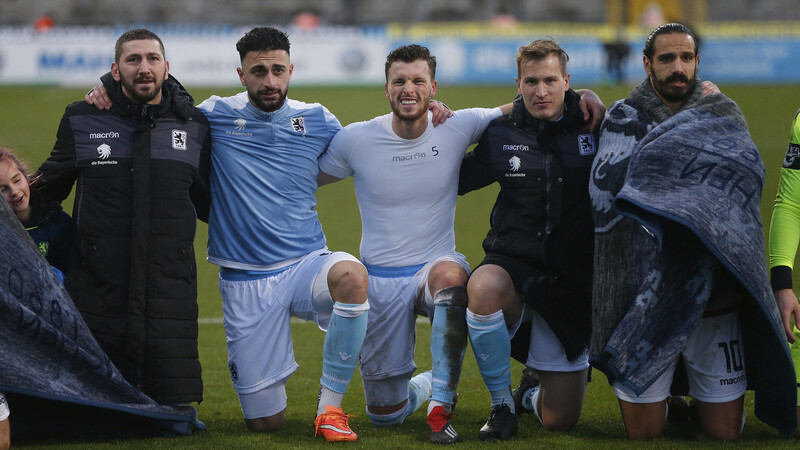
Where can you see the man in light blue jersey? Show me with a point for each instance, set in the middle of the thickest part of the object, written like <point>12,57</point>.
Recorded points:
<point>265,236</point>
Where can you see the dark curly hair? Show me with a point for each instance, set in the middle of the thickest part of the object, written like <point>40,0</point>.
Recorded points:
<point>262,39</point>
<point>411,53</point>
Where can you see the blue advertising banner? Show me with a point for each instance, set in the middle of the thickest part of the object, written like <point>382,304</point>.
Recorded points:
<point>750,61</point>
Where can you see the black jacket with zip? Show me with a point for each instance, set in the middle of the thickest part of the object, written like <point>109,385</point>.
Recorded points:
<point>142,182</point>
<point>542,214</point>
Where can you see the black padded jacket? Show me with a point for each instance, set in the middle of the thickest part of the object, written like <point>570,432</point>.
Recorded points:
<point>542,214</point>
<point>142,182</point>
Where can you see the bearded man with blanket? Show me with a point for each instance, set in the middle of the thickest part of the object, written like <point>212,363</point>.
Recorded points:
<point>681,298</point>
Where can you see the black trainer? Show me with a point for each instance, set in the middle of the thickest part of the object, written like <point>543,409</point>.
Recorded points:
<point>680,411</point>
<point>440,431</point>
<point>529,380</point>
<point>502,424</point>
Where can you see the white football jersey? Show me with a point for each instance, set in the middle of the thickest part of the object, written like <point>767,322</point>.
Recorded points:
<point>406,189</point>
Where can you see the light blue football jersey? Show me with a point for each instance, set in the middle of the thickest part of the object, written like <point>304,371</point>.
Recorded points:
<point>263,178</point>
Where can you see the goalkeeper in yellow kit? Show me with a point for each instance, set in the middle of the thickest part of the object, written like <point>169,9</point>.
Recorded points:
<point>784,236</point>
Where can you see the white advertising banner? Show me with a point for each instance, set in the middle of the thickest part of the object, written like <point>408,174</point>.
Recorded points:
<point>78,59</point>
<point>336,56</point>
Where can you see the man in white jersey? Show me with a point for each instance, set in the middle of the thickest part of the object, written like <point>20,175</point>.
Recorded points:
<point>405,174</point>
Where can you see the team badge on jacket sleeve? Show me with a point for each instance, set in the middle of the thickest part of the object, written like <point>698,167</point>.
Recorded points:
<point>586,144</point>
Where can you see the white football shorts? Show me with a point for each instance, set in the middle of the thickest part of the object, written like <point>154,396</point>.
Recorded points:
<point>546,352</point>
<point>395,295</point>
<point>256,310</point>
<point>714,361</point>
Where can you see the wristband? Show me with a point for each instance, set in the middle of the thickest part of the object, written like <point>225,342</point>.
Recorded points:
<point>780,277</point>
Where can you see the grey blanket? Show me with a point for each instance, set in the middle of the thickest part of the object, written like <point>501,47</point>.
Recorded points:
<point>693,189</point>
<point>57,379</point>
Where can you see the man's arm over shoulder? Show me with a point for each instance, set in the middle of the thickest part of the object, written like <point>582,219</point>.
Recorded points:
<point>722,106</point>
<point>473,121</point>
<point>98,95</point>
<point>592,108</point>
<point>335,162</point>
<point>476,167</point>
<point>200,191</point>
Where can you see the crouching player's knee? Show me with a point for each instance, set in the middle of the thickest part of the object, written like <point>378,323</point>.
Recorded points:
<point>398,396</point>
<point>347,280</point>
<point>264,410</point>
<point>385,416</point>
<point>266,424</point>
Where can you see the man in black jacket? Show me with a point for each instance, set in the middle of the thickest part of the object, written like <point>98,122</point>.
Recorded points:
<point>142,181</point>
<point>538,263</point>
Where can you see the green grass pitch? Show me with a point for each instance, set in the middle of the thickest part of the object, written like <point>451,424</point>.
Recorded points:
<point>28,122</point>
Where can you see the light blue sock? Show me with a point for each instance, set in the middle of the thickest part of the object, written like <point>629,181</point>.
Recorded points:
<point>448,341</point>
<point>342,346</point>
<point>492,348</point>
<point>503,397</point>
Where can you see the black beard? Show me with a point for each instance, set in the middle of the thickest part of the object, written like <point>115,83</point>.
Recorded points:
<point>675,97</point>
<point>138,97</point>
<point>272,106</point>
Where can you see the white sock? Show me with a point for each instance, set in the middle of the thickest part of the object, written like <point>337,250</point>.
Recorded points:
<point>530,402</point>
<point>420,389</point>
<point>328,397</point>
<point>433,404</point>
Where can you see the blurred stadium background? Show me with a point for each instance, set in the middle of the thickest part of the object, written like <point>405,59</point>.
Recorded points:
<point>344,42</point>
<point>366,12</point>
